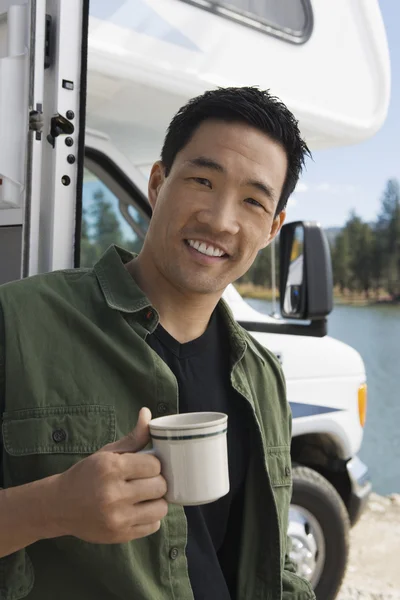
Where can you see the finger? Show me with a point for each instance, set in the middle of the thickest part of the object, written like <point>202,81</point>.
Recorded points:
<point>141,433</point>
<point>139,466</point>
<point>136,439</point>
<point>150,512</point>
<point>141,490</point>
<point>139,531</point>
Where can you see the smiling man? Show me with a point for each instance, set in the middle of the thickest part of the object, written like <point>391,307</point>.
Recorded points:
<point>84,351</point>
<point>215,205</point>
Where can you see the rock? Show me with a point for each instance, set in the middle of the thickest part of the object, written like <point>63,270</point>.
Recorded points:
<point>350,593</point>
<point>378,503</point>
<point>373,572</point>
<point>376,507</point>
<point>395,499</point>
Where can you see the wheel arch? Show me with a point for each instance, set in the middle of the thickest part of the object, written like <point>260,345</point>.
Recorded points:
<point>323,453</point>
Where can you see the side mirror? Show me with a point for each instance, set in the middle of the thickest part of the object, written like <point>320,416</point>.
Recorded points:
<point>306,282</point>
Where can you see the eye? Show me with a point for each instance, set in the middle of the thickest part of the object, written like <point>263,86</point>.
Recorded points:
<point>203,181</point>
<point>254,202</point>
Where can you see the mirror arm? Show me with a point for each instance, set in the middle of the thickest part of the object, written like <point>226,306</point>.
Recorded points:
<point>317,328</point>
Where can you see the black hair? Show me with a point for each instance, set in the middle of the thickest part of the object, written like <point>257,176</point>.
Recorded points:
<point>249,105</point>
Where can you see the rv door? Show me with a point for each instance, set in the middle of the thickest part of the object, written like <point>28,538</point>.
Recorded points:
<point>42,98</point>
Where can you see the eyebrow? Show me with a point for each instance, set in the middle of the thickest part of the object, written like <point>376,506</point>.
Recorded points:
<point>209,163</point>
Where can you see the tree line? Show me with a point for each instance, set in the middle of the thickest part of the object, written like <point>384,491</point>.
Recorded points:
<point>101,228</point>
<point>365,256</point>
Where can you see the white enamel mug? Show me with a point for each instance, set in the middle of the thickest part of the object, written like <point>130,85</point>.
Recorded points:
<point>192,449</point>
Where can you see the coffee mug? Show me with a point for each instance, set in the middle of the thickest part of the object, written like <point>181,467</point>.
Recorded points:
<point>192,449</point>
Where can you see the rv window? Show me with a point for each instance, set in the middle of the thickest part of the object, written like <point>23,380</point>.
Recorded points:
<point>107,219</point>
<point>288,19</point>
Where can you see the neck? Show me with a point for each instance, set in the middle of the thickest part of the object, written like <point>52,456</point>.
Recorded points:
<point>184,315</point>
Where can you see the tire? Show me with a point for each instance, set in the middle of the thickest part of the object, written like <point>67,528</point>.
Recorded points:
<point>318,517</point>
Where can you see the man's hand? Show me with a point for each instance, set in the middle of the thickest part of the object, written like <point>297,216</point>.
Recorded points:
<point>114,495</point>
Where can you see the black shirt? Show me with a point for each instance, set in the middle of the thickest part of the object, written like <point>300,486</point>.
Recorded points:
<point>202,369</point>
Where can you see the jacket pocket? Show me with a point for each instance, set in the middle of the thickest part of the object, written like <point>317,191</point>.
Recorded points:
<point>39,442</point>
<point>279,466</point>
<point>16,576</point>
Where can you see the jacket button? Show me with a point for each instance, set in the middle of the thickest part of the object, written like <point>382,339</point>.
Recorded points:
<point>173,553</point>
<point>287,471</point>
<point>59,435</point>
<point>162,408</point>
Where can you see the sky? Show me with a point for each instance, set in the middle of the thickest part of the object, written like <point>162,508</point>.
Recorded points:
<point>353,178</point>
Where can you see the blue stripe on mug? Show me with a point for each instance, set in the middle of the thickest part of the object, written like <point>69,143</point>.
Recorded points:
<point>187,437</point>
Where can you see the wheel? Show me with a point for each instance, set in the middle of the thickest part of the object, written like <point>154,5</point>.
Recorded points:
<point>319,529</point>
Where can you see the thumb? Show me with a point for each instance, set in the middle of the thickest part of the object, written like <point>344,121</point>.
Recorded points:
<point>136,439</point>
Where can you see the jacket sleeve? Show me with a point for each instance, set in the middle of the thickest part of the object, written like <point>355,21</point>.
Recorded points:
<point>2,391</point>
<point>16,570</point>
<point>293,586</point>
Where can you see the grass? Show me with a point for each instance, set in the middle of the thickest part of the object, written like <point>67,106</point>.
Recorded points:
<point>249,290</point>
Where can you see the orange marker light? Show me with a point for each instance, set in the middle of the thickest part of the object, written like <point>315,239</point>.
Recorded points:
<point>362,403</point>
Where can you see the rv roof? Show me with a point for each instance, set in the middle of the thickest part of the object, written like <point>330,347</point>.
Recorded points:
<point>148,57</point>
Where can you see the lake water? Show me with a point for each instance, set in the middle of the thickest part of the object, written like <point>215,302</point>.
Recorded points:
<point>375,332</point>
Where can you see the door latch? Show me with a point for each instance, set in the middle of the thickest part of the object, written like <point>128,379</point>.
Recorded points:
<point>59,125</point>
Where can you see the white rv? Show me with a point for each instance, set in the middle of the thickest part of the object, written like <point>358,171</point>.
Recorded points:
<point>86,93</point>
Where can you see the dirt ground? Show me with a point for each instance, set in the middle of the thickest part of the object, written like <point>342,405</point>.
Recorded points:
<point>374,568</point>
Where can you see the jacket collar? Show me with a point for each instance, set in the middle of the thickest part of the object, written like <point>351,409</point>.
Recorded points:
<point>122,293</point>
<point>120,290</point>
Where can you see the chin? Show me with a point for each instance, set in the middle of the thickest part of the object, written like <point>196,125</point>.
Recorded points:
<point>199,286</point>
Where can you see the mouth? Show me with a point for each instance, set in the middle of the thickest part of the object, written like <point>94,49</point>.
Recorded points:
<point>206,251</point>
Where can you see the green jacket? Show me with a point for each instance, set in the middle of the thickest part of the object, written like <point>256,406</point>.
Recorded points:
<point>75,359</point>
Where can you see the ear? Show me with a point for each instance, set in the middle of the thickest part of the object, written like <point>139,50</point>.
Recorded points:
<point>157,176</point>
<point>276,227</point>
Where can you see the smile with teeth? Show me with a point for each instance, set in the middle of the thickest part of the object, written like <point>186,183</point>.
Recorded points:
<point>204,248</point>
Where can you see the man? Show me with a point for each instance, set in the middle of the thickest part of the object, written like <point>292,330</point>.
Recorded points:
<point>83,516</point>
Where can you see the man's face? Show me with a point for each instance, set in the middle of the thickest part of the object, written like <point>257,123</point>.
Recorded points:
<point>216,208</point>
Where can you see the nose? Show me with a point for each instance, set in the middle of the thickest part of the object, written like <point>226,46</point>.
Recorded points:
<point>220,215</point>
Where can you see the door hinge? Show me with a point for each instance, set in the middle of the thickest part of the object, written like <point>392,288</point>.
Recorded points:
<point>36,121</point>
<point>48,46</point>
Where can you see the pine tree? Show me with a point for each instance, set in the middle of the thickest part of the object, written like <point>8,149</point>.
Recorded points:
<point>106,227</point>
<point>363,259</point>
<point>388,228</point>
<point>360,240</point>
<point>341,261</point>
<point>260,271</point>
<point>89,253</point>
